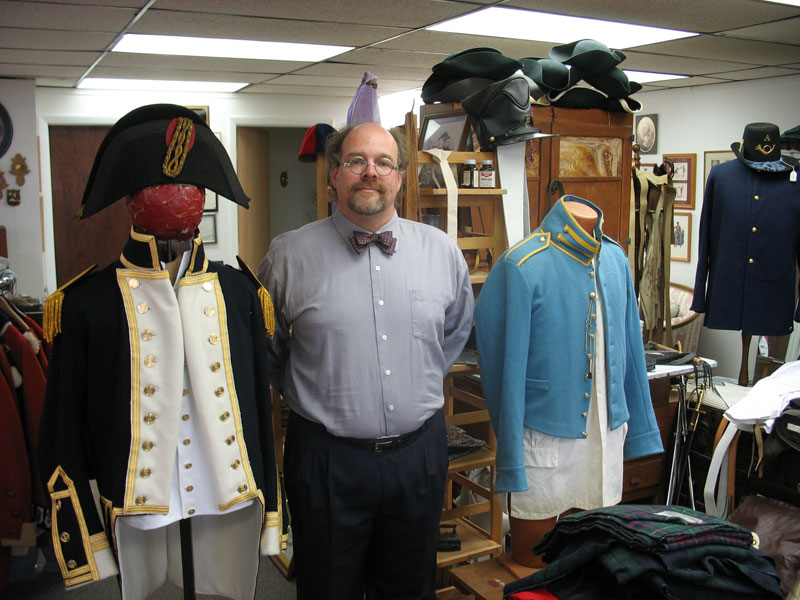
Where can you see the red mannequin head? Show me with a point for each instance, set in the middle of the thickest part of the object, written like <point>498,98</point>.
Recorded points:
<point>169,211</point>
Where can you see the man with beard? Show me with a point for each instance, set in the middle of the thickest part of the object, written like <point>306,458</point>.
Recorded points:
<point>371,312</point>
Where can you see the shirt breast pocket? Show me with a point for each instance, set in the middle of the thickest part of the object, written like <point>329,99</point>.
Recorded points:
<point>427,315</point>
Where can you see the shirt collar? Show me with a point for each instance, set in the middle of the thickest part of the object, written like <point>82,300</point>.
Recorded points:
<point>568,236</point>
<point>141,252</point>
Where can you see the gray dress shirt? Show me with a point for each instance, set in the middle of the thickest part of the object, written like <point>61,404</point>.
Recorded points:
<point>372,335</point>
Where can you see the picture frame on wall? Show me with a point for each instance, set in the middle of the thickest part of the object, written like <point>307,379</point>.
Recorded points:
<point>712,158</point>
<point>211,201</point>
<point>683,177</point>
<point>681,247</point>
<point>208,228</point>
<point>646,131</point>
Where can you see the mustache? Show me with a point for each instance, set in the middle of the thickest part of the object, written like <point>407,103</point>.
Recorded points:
<point>363,186</point>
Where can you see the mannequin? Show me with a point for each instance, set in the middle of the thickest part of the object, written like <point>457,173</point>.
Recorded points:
<point>555,331</point>
<point>749,236</point>
<point>157,386</point>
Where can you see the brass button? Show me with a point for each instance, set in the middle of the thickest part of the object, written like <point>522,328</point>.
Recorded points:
<point>145,472</point>
<point>215,367</point>
<point>210,311</point>
<point>589,356</point>
<point>225,416</point>
<point>585,434</point>
<point>185,417</point>
<point>142,308</point>
<point>591,336</point>
<point>566,228</point>
<point>751,261</point>
<point>541,239</point>
<point>149,360</point>
<point>187,441</point>
<point>140,500</point>
<point>133,282</point>
<point>71,564</point>
<point>242,488</point>
<point>64,537</point>
<point>230,440</point>
<point>190,511</point>
<point>185,392</point>
<point>587,395</point>
<point>491,139</point>
<point>147,335</point>
<point>591,273</point>
<point>235,464</point>
<point>149,418</point>
<point>755,229</point>
<point>584,414</point>
<point>756,197</point>
<point>591,295</point>
<point>594,315</point>
<point>58,504</point>
<point>189,488</point>
<point>213,338</point>
<point>147,446</point>
<point>208,286</point>
<point>149,390</point>
<point>187,466</point>
<point>219,391</point>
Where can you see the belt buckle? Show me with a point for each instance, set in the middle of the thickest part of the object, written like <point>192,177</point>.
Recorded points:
<point>382,445</point>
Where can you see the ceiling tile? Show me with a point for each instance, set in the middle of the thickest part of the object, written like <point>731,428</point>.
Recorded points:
<point>759,73</point>
<point>189,63</point>
<point>357,71</point>
<point>47,57</point>
<point>688,82</point>
<point>42,39</point>
<point>394,58</point>
<point>727,48</point>
<point>269,88</point>
<point>351,83</point>
<point>676,65</point>
<point>436,41</point>
<point>25,71</point>
<point>162,22</point>
<point>58,16</point>
<point>786,32</point>
<point>414,13</point>
<point>175,74</point>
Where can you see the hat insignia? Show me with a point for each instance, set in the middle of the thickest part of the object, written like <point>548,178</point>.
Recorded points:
<point>180,139</point>
<point>765,149</point>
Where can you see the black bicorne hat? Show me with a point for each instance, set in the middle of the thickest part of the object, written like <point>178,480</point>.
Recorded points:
<point>154,145</point>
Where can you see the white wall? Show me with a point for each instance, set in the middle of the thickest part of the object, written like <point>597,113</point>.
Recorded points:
<point>23,222</point>
<point>296,204</point>
<point>226,111</point>
<point>694,120</point>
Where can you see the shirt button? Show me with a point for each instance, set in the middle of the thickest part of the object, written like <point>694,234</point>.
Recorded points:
<point>187,441</point>
<point>384,337</point>
<point>377,267</point>
<point>388,371</point>
<point>185,417</point>
<point>391,407</point>
<point>380,302</point>
<point>185,392</point>
<point>187,466</point>
<point>189,488</point>
<point>190,511</point>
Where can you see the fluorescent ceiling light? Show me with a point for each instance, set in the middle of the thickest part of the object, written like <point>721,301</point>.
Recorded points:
<point>560,29</point>
<point>647,77</point>
<point>221,48</point>
<point>159,85</point>
<point>789,2</point>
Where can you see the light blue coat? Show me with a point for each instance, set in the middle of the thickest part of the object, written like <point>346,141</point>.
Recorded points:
<point>535,322</point>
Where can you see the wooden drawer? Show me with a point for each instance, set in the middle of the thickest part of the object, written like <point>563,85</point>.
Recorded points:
<point>641,477</point>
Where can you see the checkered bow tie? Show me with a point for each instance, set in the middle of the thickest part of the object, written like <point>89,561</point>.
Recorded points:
<point>360,240</point>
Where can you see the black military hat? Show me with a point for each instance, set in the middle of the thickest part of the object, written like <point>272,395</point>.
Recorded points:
<point>760,148</point>
<point>154,145</point>
<point>466,72</point>
<point>590,56</point>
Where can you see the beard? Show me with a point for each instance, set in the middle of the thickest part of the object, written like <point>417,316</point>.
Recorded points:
<point>367,205</point>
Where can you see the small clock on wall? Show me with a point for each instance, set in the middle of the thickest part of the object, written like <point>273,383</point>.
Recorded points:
<point>6,130</point>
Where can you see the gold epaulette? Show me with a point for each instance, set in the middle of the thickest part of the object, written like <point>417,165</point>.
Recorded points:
<point>267,308</point>
<point>51,319</point>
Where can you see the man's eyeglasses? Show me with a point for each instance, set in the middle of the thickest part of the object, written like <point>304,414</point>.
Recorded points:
<point>359,164</point>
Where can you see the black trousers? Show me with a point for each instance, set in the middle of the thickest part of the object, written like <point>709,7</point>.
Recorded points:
<point>364,520</point>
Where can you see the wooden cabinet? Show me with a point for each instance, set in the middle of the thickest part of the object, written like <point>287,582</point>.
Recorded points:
<point>590,156</point>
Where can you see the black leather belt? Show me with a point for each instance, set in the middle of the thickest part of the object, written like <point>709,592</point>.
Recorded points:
<point>382,444</point>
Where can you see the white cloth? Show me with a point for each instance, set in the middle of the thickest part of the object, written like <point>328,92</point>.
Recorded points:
<point>767,399</point>
<point>566,473</point>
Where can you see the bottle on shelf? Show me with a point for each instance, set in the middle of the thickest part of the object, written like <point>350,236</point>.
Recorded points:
<point>486,174</point>
<point>469,174</point>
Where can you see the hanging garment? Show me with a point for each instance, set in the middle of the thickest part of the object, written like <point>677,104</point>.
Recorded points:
<point>15,475</point>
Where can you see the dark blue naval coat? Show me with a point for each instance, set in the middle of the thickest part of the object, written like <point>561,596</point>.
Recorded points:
<point>535,323</point>
<point>748,251</point>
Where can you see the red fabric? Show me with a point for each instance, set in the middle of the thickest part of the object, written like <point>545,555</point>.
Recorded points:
<point>46,346</point>
<point>537,595</point>
<point>15,476</point>
<point>31,399</point>
<point>169,211</point>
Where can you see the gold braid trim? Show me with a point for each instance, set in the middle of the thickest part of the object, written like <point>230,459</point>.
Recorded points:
<point>178,147</point>
<point>268,310</point>
<point>51,319</point>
